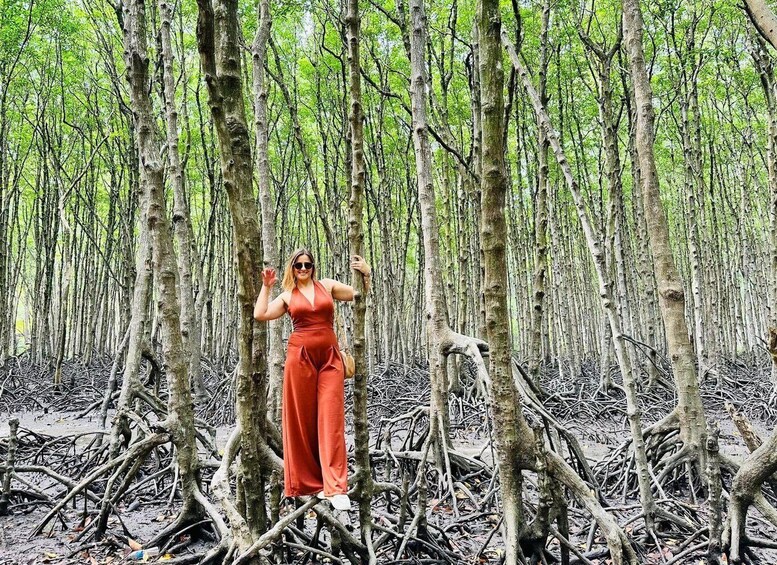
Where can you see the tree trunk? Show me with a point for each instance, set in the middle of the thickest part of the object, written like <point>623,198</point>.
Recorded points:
<point>647,316</point>
<point>759,466</point>
<point>765,64</point>
<point>764,19</point>
<point>435,303</point>
<point>271,255</point>
<point>363,478</point>
<point>442,339</point>
<point>219,46</point>
<point>690,126</point>
<point>540,210</point>
<point>616,226</point>
<point>505,403</point>
<point>689,411</point>
<point>139,319</point>
<point>180,418</point>
<point>182,226</point>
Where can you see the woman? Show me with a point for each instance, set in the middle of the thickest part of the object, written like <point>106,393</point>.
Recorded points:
<point>313,399</point>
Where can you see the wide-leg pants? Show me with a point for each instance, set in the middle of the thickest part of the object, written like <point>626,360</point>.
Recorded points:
<point>313,415</point>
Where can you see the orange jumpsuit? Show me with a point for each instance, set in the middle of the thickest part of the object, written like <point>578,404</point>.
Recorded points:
<point>313,411</point>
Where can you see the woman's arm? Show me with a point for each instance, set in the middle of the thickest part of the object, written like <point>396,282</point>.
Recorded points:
<point>338,290</point>
<point>344,292</point>
<point>263,311</point>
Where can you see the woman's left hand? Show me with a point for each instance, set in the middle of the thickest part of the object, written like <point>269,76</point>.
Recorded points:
<point>358,263</point>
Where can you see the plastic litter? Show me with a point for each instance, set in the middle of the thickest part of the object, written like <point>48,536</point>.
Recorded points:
<point>142,554</point>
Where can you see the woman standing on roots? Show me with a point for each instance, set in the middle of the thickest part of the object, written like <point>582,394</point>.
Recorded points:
<point>313,411</point>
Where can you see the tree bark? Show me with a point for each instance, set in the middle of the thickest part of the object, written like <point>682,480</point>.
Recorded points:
<point>505,403</point>
<point>757,468</point>
<point>435,303</point>
<point>765,64</point>
<point>616,233</point>
<point>180,418</point>
<point>442,339</point>
<point>764,19</point>
<point>139,320</point>
<point>269,244</point>
<point>689,411</point>
<point>363,478</point>
<point>182,225</point>
<point>694,186</point>
<point>540,210</point>
<point>219,46</point>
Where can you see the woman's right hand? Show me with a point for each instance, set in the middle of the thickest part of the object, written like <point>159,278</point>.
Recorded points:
<point>269,277</point>
<point>264,310</point>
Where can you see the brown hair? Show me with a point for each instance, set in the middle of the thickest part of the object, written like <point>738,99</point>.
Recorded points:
<point>289,279</point>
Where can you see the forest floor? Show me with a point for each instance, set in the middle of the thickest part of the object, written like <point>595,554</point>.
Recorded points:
<point>59,422</point>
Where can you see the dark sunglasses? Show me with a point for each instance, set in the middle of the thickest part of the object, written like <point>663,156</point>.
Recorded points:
<point>299,266</point>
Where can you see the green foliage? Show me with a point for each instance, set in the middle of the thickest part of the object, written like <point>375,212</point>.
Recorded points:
<point>66,111</point>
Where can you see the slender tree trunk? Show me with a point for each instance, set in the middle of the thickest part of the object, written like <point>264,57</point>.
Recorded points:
<point>271,255</point>
<point>5,290</point>
<point>139,320</point>
<point>505,403</point>
<point>435,303</point>
<point>765,64</point>
<point>540,210</point>
<point>690,125</point>
<point>476,152</point>
<point>219,46</point>
<point>182,226</point>
<point>364,483</point>
<point>442,339</point>
<point>180,418</point>
<point>616,225</point>
<point>689,411</point>
<point>9,65</point>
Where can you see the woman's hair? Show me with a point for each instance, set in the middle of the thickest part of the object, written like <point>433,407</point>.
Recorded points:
<point>289,279</point>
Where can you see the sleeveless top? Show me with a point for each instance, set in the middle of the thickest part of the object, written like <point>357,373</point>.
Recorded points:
<point>316,316</point>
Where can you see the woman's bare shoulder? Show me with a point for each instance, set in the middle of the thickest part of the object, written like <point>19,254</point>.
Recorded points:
<point>328,284</point>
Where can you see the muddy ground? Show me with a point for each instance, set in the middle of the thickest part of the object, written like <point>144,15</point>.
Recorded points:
<point>597,420</point>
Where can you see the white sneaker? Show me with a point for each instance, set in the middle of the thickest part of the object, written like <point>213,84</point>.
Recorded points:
<point>321,495</point>
<point>340,502</point>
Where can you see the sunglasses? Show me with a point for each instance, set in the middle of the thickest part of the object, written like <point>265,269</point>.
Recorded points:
<point>299,266</point>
